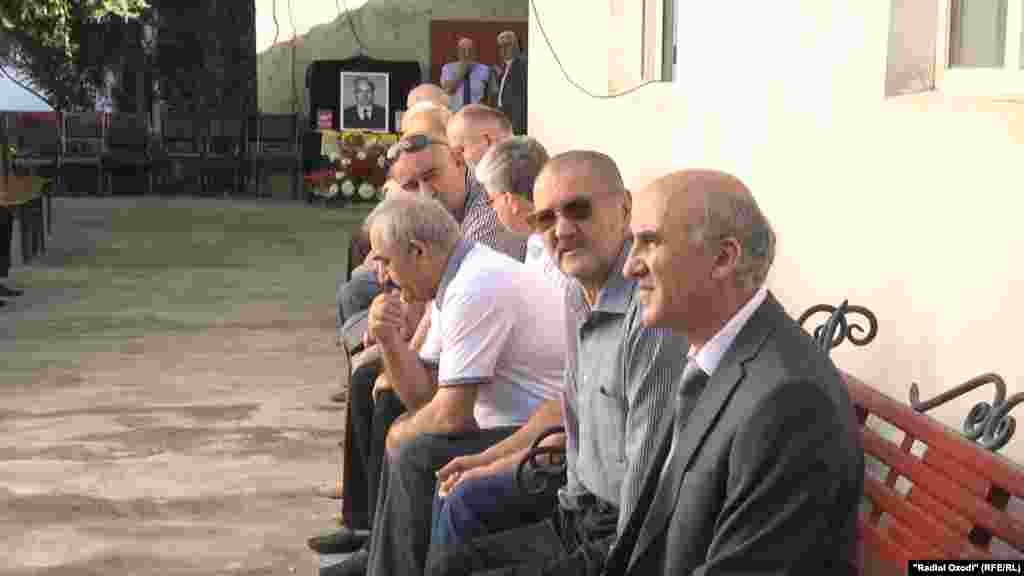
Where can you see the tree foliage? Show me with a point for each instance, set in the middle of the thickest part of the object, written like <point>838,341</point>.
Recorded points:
<point>60,49</point>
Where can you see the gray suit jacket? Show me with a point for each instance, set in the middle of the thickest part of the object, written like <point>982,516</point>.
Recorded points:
<point>769,474</point>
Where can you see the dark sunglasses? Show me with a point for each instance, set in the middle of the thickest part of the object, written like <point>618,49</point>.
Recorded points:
<point>411,144</point>
<point>577,210</point>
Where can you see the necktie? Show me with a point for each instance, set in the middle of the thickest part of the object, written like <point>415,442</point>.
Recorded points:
<point>692,384</point>
<point>655,502</point>
<point>465,87</point>
<point>504,77</point>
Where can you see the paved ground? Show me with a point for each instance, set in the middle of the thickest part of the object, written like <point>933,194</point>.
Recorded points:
<point>163,390</point>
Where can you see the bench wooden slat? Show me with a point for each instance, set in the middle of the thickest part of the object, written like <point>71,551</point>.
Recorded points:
<point>921,522</point>
<point>1001,471</point>
<point>951,518</point>
<point>905,537</point>
<point>941,487</point>
<point>881,546</point>
<point>948,466</point>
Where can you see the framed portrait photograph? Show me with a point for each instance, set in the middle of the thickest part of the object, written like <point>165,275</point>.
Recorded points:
<point>364,101</point>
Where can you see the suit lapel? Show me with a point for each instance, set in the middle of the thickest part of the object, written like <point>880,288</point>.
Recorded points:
<point>729,374</point>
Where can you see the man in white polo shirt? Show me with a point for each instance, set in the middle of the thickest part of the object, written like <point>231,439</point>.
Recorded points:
<point>490,364</point>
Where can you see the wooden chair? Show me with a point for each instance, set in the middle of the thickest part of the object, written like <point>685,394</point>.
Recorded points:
<point>225,151</point>
<point>82,148</point>
<point>127,146</point>
<point>278,150</point>
<point>183,144</point>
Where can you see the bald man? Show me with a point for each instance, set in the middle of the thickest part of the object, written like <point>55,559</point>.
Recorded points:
<point>465,81</point>
<point>474,129</point>
<point>426,93</point>
<point>766,474</point>
<point>426,118</point>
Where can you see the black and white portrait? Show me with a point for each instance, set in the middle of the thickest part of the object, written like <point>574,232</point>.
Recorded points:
<point>364,101</point>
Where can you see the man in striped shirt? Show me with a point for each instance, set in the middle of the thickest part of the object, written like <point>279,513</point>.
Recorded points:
<point>619,383</point>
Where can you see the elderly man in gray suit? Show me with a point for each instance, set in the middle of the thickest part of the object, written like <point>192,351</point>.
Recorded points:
<point>763,471</point>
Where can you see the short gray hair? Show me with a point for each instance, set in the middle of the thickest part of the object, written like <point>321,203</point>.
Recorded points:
<point>404,217</point>
<point>512,166</point>
<point>735,214</point>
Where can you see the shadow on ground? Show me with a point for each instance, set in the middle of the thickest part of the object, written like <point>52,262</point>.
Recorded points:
<point>164,389</point>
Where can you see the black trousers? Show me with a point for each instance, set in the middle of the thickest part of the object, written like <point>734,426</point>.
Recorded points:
<point>366,428</point>
<point>400,537</point>
<point>6,238</point>
<point>574,543</point>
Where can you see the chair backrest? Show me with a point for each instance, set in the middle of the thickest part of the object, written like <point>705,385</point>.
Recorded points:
<point>83,134</point>
<point>184,133</point>
<point>932,493</point>
<point>127,131</point>
<point>34,136</point>
<point>279,133</point>
<point>227,135</point>
<point>252,133</point>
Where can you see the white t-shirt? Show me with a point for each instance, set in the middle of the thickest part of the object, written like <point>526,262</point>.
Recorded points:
<point>491,325</point>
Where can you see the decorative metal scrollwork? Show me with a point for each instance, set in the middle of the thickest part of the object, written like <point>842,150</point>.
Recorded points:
<point>837,328</point>
<point>990,425</point>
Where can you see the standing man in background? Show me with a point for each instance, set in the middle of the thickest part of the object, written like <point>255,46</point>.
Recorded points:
<point>465,80</point>
<point>510,81</point>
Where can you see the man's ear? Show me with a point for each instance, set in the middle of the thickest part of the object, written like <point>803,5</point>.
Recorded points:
<point>417,248</point>
<point>456,153</point>
<point>727,258</point>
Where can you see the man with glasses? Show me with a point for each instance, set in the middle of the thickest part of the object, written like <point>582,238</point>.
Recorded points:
<point>487,365</point>
<point>619,382</point>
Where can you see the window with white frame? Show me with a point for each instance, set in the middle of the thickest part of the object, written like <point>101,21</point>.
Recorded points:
<point>641,43</point>
<point>980,48</point>
<point>659,40</point>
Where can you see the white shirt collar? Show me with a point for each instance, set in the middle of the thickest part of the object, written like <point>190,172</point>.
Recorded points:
<point>710,355</point>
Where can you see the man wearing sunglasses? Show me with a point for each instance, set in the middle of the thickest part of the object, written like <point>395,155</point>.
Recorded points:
<point>489,362</point>
<point>619,382</point>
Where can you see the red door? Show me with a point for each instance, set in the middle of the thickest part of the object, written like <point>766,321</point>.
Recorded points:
<point>445,34</point>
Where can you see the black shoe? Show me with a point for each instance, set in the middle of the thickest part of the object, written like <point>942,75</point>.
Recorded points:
<point>343,541</point>
<point>9,292</point>
<point>3,303</point>
<point>354,565</point>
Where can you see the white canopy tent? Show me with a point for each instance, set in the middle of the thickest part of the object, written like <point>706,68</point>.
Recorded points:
<point>17,99</point>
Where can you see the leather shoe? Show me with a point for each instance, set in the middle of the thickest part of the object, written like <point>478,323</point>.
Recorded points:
<point>342,541</point>
<point>3,303</point>
<point>354,565</point>
<point>9,292</point>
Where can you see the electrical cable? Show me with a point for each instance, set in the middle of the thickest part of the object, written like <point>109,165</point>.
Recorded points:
<point>352,26</point>
<point>277,28</point>
<point>540,27</point>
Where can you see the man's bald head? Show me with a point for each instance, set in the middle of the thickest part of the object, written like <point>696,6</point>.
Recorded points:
<point>475,128</point>
<point>427,93</point>
<point>727,209</point>
<point>426,118</point>
<point>599,167</point>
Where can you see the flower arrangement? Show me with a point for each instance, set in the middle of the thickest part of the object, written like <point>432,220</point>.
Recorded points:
<point>354,165</point>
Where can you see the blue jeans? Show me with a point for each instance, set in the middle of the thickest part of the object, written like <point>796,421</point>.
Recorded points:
<point>484,506</point>
<point>355,295</point>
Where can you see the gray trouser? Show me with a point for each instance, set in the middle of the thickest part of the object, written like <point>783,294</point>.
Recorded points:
<point>405,501</point>
<point>355,295</point>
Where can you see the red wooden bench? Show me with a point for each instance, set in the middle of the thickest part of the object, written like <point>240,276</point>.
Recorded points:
<point>930,493</point>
